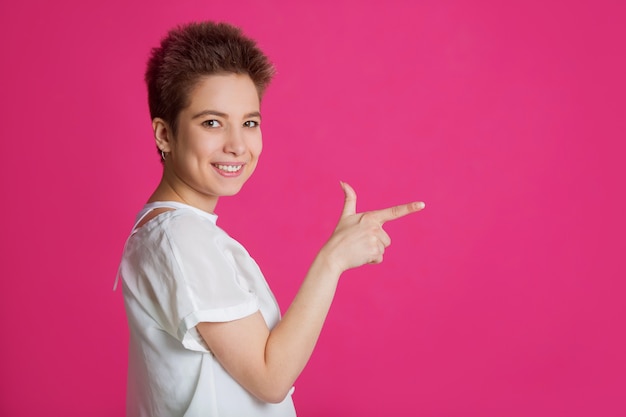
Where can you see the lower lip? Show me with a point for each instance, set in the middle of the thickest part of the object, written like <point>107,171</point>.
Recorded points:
<point>228,174</point>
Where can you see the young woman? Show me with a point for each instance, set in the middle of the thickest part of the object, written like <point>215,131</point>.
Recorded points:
<point>206,337</point>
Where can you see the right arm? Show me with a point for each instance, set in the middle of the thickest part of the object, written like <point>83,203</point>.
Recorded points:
<point>266,362</point>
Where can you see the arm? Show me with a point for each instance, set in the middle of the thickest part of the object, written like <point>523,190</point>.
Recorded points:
<point>266,362</point>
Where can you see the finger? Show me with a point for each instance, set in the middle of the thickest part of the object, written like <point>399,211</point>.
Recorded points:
<point>376,253</point>
<point>349,206</point>
<point>377,259</point>
<point>396,212</point>
<point>384,238</point>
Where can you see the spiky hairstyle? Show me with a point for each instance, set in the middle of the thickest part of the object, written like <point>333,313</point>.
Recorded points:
<point>192,51</point>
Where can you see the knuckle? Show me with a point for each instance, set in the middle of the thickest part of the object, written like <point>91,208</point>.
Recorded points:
<point>371,218</point>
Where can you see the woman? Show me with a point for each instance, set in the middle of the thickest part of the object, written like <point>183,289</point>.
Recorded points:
<point>206,338</point>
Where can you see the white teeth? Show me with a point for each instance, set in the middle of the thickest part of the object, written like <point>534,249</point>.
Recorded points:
<point>228,168</point>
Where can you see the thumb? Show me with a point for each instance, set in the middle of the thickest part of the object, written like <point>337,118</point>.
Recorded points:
<point>349,206</point>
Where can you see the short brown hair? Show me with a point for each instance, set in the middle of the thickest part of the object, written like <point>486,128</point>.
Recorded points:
<point>189,52</point>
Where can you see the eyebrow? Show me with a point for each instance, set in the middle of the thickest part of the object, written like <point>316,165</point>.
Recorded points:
<point>223,115</point>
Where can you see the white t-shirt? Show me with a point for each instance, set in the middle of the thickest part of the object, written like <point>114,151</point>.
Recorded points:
<point>177,270</point>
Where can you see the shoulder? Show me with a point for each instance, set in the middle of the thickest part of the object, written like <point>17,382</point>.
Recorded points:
<point>171,219</point>
<point>169,228</point>
<point>188,216</point>
<point>182,225</point>
<point>177,243</point>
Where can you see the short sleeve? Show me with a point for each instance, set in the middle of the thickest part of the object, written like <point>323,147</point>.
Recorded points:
<point>205,283</point>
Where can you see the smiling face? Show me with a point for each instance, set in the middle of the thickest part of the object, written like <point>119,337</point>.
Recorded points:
<point>217,144</point>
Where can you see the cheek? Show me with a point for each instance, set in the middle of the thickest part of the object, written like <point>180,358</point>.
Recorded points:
<point>204,147</point>
<point>256,145</point>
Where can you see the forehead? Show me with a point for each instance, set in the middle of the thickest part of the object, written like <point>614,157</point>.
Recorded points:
<point>228,93</point>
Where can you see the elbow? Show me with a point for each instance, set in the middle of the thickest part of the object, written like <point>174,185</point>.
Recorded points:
<point>274,394</point>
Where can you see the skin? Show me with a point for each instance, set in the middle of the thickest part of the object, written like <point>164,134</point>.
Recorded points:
<point>220,127</point>
<point>265,362</point>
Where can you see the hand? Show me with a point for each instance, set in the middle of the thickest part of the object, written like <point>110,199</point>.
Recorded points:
<point>359,238</point>
<point>267,362</point>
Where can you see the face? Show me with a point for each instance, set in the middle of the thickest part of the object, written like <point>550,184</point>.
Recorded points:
<point>218,142</point>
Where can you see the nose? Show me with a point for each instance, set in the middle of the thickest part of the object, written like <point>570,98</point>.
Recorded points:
<point>235,143</point>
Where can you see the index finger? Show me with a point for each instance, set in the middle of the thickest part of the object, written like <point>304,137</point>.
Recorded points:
<point>392,213</point>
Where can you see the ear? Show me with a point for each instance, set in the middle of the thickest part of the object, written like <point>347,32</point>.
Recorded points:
<point>162,134</point>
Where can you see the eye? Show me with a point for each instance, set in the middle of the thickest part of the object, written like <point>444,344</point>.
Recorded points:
<point>211,123</point>
<point>251,123</point>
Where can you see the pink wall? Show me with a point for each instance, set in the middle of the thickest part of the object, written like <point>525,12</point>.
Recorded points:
<point>505,297</point>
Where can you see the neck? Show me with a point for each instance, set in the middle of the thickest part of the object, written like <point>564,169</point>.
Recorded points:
<point>167,190</point>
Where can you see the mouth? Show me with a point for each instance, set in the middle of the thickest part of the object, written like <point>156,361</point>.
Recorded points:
<point>228,169</point>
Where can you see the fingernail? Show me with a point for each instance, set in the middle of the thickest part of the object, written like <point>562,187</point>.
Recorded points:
<point>420,205</point>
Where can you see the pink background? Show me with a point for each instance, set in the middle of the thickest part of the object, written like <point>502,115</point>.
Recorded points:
<point>505,297</point>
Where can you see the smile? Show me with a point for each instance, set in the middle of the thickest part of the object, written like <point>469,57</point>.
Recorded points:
<point>228,168</point>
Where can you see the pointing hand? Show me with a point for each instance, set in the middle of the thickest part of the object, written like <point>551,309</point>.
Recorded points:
<point>359,238</point>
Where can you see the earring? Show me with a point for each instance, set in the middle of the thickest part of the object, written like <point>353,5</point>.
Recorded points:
<point>163,156</point>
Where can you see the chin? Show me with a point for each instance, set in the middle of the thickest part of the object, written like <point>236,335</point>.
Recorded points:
<point>231,192</point>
